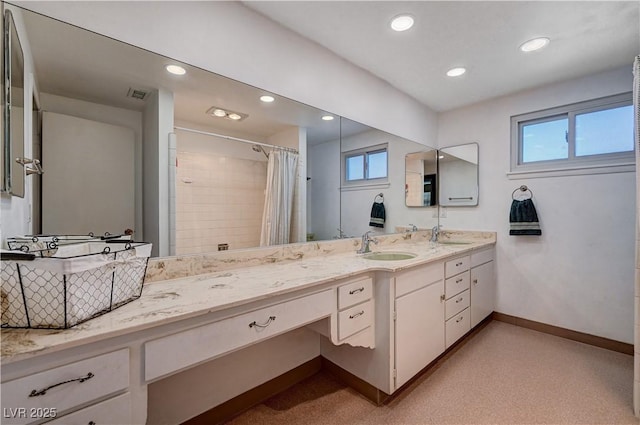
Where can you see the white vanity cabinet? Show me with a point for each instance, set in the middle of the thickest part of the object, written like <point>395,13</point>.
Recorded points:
<point>483,286</point>
<point>419,329</point>
<point>409,329</point>
<point>52,393</point>
<point>458,299</point>
<point>168,354</point>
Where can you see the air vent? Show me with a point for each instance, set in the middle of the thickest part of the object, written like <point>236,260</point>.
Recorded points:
<point>137,93</point>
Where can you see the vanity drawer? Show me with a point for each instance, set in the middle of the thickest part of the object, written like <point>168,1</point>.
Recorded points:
<point>354,293</point>
<point>412,280</point>
<point>174,352</point>
<point>116,410</point>
<point>481,257</point>
<point>109,373</point>
<point>458,265</point>
<point>457,326</point>
<point>456,304</point>
<point>456,284</point>
<point>355,319</point>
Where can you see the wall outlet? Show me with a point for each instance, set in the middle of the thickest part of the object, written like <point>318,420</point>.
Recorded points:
<point>443,212</point>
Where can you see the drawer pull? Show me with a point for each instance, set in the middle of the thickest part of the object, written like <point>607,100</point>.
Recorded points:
<point>355,291</point>
<point>475,281</point>
<point>459,299</point>
<point>91,423</point>
<point>459,264</point>
<point>35,393</point>
<point>353,316</point>
<point>459,280</point>
<point>459,319</point>
<point>262,325</point>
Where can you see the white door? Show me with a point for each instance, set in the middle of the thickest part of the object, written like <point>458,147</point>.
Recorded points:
<point>419,330</point>
<point>482,292</point>
<point>88,181</point>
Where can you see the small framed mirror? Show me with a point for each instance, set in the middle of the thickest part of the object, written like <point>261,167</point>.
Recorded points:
<point>421,171</point>
<point>13,115</point>
<point>458,174</point>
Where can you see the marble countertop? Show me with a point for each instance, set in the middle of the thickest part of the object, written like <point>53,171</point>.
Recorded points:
<point>167,301</point>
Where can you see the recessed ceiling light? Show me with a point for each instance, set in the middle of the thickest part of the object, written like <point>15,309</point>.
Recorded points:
<point>175,69</point>
<point>267,99</point>
<point>219,112</point>
<point>327,117</point>
<point>402,22</point>
<point>534,44</point>
<point>456,72</point>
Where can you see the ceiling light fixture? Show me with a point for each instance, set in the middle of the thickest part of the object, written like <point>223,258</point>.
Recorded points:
<point>327,117</point>
<point>218,112</point>
<point>534,44</point>
<point>402,22</point>
<point>175,69</point>
<point>456,72</point>
<point>267,98</point>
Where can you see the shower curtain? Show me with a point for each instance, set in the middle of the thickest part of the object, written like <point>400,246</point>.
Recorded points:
<point>278,204</point>
<point>636,127</point>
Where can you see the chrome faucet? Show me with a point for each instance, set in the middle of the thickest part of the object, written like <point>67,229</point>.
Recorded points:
<point>435,231</point>
<point>364,248</point>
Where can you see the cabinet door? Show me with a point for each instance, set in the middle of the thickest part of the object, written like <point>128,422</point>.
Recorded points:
<point>419,329</point>
<point>482,292</point>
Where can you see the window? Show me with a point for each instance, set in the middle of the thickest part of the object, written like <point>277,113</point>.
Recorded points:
<point>364,165</point>
<point>586,135</point>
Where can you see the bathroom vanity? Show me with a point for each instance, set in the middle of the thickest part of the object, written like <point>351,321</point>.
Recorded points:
<point>382,321</point>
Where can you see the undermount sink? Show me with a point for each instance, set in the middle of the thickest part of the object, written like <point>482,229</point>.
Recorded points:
<point>454,243</point>
<point>389,256</point>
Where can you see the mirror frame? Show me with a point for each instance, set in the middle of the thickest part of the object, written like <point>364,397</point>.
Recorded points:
<point>12,179</point>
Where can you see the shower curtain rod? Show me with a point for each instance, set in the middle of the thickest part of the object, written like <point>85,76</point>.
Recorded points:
<point>236,139</point>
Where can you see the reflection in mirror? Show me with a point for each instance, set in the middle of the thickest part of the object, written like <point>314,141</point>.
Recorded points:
<point>421,169</point>
<point>458,174</point>
<point>14,108</point>
<point>358,197</point>
<point>216,197</point>
<point>195,177</point>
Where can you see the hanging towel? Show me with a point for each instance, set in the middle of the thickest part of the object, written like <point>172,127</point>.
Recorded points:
<point>377,215</point>
<point>523,218</point>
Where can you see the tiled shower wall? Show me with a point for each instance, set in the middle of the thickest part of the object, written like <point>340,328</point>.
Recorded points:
<point>219,200</point>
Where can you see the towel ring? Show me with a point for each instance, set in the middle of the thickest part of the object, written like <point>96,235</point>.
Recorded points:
<point>379,195</point>
<point>522,189</point>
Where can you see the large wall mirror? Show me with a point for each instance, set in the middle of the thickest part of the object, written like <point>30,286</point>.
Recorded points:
<point>101,123</point>
<point>13,111</point>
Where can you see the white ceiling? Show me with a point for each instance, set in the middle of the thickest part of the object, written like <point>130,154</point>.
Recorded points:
<point>586,37</point>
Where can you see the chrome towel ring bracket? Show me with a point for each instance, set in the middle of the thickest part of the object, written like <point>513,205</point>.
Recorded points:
<point>522,193</point>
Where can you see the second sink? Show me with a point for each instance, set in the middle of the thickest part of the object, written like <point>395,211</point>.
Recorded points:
<point>389,256</point>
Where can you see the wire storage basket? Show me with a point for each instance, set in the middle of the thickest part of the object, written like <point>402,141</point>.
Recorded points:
<point>61,286</point>
<point>31,243</point>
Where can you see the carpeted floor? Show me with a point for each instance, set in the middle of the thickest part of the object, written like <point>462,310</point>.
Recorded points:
<point>503,375</point>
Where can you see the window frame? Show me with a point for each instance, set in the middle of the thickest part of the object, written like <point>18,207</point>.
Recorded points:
<point>365,152</point>
<point>596,162</point>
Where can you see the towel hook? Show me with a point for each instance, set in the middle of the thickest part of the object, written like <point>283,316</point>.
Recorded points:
<point>523,189</point>
<point>379,195</point>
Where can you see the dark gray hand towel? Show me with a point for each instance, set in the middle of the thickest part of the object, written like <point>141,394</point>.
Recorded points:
<point>523,218</point>
<point>377,215</point>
